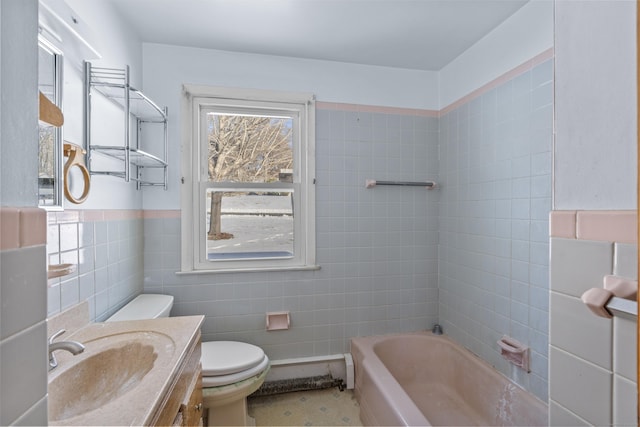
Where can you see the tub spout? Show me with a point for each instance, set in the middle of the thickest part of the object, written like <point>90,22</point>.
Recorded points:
<point>437,329</point>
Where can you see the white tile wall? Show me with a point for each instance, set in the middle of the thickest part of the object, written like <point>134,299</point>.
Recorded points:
<point>109,257</point>
<point>626,260</point>
<point>593,360</point>
<point>575,329</point>
<point>23,344</point>
<point>22,388</point>
<point>581,387</point>
<point>495,153</point>
<point>563,417</point>
<point>579,265</point>
<point>624,348</point>
<point>35,415</point>
<point>625,402</point>
<point>21,281</point>
<point>377,247</point>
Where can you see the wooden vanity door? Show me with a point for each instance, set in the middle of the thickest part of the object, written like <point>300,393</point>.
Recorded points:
<point>192,410</point>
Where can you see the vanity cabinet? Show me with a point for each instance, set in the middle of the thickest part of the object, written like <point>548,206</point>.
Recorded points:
<point>182,405</point>
<point>192,411</point>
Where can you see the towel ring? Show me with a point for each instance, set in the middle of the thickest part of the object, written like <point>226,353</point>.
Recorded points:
<point>76,158</point>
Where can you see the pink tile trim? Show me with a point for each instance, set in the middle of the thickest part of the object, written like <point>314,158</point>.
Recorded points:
<point>162,214</point>
<point>562,224</point>
<point>544,56</point>
<point>94,215</point>
<point>22,227</point>
<point>9,228</point>
<point>612,226</point>
<point>66,216</point>
<point>376,109</point>
<point>109,215</point>
<point>524,67</point>
<point>608,226</point>
<point>33,227</point>
<point>122,214</point>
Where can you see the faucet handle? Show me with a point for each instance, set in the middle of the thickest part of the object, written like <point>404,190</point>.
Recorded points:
<point>56,335</point>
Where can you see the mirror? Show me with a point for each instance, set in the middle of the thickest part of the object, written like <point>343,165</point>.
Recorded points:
<point>50,181</point>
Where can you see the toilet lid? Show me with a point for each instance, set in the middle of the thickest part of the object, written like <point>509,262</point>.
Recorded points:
<point>235,379</point>
<point>229,357</point>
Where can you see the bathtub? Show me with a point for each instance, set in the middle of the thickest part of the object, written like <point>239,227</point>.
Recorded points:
<point>421,379</point>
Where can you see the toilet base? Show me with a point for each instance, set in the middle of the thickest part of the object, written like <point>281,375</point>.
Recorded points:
<point>232,414</point>
<point>227,405</point>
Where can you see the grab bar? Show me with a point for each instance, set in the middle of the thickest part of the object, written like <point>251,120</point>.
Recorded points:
<point>370,183</point>
<point>622,307</point>
<point>618,297</point>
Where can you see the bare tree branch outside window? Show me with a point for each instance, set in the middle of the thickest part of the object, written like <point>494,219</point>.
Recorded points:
<point>245,149</point>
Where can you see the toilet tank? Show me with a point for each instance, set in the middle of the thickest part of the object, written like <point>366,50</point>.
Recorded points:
<point>144,306</point>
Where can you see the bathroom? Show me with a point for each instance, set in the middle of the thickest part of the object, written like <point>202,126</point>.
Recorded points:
<point>474,255</point>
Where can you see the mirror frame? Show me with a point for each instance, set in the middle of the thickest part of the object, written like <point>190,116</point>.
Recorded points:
<point>58,81</point>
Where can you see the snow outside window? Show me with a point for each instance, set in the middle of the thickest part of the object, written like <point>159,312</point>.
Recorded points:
<point>248,195</point>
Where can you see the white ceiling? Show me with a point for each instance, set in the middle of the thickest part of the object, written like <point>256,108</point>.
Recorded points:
<point>414,34</point>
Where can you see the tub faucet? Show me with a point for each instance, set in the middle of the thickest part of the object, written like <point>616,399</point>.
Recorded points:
<point>72,347</point>
<point>437,329</point>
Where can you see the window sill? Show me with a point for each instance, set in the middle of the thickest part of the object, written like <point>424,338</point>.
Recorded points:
<point>248,270</point>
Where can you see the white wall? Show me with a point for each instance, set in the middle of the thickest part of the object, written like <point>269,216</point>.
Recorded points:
<point>119,46</point>
<point>167,67</point>
<point>524,35</point>
<point>595,149</point>
<point>18,123</point>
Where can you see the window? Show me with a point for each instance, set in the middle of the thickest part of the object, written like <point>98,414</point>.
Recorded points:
<point>248,200</point>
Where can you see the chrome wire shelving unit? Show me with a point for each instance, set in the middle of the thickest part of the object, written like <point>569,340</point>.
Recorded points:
<point>138,109</point>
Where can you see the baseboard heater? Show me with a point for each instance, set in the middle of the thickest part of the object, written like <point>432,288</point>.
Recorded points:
<point>308,373</point>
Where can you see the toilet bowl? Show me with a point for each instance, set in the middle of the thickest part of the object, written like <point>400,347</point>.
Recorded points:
<point>231,370</point>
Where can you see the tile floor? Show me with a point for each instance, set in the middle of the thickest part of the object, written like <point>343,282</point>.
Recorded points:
<point>328,407</point>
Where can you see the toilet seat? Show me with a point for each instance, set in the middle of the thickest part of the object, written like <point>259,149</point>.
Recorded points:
<point>222,380</point>
<point>227,362</point>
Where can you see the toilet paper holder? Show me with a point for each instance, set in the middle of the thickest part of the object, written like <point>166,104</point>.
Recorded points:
<point>278,320</point>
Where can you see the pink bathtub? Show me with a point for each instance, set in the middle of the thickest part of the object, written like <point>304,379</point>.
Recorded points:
<point>420,379</point>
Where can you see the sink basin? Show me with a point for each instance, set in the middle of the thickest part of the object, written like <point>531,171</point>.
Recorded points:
<point>111,367</point>
<point>98,379</point>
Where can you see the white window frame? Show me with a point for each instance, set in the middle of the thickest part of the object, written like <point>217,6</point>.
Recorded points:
<point>196,101</point>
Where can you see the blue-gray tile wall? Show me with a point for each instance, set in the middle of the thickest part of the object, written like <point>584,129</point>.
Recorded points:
<point>496,153</point>
<point>377,248</point>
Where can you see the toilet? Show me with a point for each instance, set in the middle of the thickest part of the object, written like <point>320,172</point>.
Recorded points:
<point>230,370</point>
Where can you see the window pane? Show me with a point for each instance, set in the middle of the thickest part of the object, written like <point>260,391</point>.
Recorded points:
<point>249,148</point>
<point>248,225</point>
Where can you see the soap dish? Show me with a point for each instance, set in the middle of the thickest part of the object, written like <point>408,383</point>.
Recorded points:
<point>59,270</point>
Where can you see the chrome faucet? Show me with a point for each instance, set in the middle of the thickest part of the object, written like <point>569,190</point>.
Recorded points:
<point>72,347</point>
